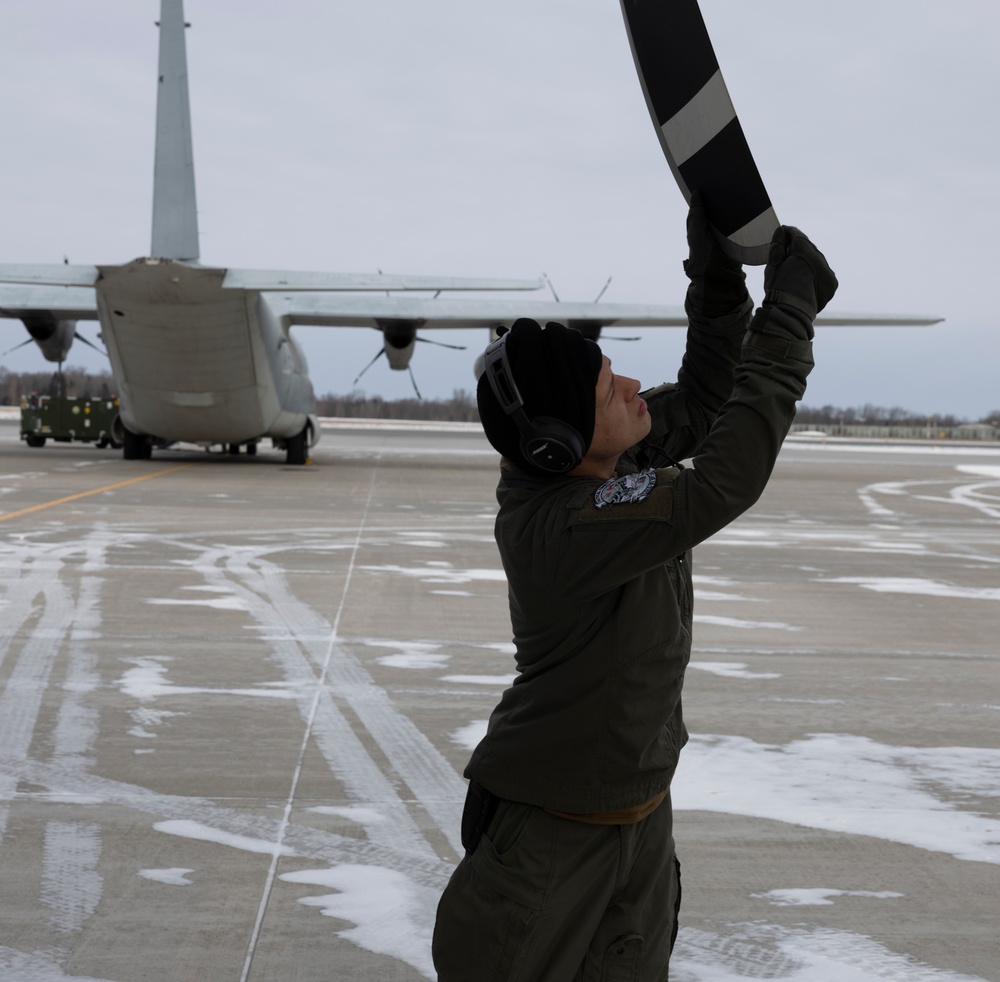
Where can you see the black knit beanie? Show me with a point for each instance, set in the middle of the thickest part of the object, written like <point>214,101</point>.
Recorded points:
<point>556,372</point>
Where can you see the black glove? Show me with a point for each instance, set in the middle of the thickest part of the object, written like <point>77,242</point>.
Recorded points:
<point>718,283</point>
<point>798,284</point>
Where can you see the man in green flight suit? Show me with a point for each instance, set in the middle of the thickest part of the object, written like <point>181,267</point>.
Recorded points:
<point>570,872</point>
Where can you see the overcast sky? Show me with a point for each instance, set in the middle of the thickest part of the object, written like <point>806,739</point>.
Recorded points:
<point>512,139</point>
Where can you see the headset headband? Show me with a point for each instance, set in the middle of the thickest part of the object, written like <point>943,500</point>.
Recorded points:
<point>501,379</point>
<point>549,444</point>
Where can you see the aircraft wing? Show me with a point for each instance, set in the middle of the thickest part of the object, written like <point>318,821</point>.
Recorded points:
<point>846,319</point>
<point>49,275</point>
<point>70,303</point>
<point>323,310</point>
<point>273,279</point>
<point>265,279</point>
<point>64,290</point>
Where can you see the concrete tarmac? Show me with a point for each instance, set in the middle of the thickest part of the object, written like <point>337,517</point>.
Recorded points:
<point>238,697</point>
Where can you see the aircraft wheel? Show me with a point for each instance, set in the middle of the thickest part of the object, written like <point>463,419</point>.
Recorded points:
<point>117,439</point>
<point>297,448</point>
<point>252,449</point>
<point>136,446</point>
<point>234,449</point>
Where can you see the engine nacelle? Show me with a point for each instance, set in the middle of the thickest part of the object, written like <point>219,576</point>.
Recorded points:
<point>398,341</point>
<point>53,337</point>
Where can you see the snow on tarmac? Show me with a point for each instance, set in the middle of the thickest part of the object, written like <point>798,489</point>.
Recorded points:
<point>766,951</point>
<point>918,586</point>
<point>918,796</point>
<point>849,784</point>
<point>840,783</point>
<point>389,910</point>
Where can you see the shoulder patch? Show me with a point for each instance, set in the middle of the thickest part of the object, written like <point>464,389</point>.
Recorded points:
<point>625,490</point>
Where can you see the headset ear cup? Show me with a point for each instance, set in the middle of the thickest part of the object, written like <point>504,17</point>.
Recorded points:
<point>552,445</point>
<point>549,444</point>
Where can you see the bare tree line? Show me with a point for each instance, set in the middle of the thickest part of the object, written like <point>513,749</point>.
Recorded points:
<point>461,407</point>
<point>76,382</point>
<point>869,415</point>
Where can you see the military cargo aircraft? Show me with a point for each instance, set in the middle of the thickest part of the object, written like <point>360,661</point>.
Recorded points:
<point>204,354</point>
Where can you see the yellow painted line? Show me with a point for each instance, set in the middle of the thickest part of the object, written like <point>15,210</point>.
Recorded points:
<point>87,494</point>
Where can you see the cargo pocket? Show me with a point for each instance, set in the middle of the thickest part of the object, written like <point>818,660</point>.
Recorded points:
<point>623,959</point>
<point>511,867</point>
<point>480,935</point>
<point>510,860</point>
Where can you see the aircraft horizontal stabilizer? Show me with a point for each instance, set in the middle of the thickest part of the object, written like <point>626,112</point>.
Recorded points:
<point>66,303</point>
<point>49,275</point>
<point>265,279</point>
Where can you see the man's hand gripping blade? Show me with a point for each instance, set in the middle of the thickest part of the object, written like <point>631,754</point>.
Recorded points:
<point>697,125</point>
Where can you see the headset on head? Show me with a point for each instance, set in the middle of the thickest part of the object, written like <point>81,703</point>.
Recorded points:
<point>550,444</point>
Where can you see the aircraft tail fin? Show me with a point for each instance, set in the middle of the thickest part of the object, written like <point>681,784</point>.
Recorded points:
<point>175,214</point>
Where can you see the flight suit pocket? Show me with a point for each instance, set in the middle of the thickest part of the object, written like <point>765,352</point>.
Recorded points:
<point>512,858</point>
<point>623,959</point>
<point>510,868</point>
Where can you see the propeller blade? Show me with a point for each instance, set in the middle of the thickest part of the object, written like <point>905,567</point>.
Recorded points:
<point>551,287</point>
<point>16,346</point>
<point>381,351</point>
<point>90,344</point>
<point>441,344</point>
<point>414,381</point>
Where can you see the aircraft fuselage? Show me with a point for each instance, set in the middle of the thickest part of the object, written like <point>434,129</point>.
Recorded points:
<point>197,362</point>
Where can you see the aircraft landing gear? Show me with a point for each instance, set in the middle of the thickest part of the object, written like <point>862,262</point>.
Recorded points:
<point>235,449</point>
<point>136,446</point>
<point>297,448</point>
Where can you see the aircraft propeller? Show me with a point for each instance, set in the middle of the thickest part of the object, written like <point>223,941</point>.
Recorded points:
<point>603,288</point>
<point>16,347</point>
<point>378,354</point>
<point>90,344</point>
<point>76,335</point>
<point>555,296</point>
<point>381,352</point>
<point>413,381</point>
<point>545,276</point>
